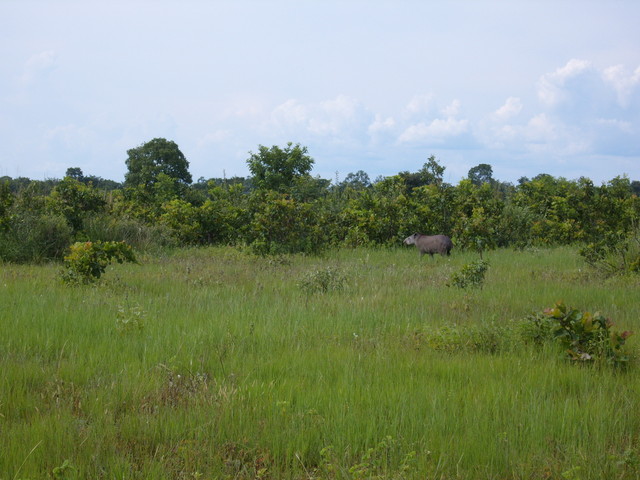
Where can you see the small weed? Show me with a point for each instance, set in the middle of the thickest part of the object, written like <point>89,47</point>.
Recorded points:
<point>63,470</point>
<point>323,280</point>
<point>490,337</point>
<point>572,474</point>
<point>375,463</point>
<point>130,319</point>
<point>470,275</point>
<point>181,389</point>
<point>278,261</point>
<point>58,393</point>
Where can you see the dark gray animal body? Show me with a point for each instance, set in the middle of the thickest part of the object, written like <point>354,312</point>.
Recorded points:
<point>430,243</point>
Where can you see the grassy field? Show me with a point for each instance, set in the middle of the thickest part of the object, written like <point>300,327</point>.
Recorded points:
<point>212,363</point>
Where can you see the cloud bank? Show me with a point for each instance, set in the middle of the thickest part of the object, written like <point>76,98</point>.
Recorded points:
<point>578,111</point>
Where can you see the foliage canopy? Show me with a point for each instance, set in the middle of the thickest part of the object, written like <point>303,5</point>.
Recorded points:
<point>157,163</point>
<point>276,168</point>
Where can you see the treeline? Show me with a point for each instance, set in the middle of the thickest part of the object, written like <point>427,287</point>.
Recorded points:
<point>282,209</point>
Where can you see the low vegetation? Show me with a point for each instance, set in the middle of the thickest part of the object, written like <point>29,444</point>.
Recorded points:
<point>87,261</point>
<point>470,275</point>
<point>217,363</point>
<point>272,327</point>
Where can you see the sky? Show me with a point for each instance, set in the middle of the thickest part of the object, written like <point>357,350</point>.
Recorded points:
<point>528,87</point>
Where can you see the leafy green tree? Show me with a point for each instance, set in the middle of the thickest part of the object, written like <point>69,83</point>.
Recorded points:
<point>97,182</point>
<point>380,215</point>
<point>74,201</point>
<point>617,208</point>
<point>482,173</point>
<point>75,173</point>
<point>566,211</point>
<point>434,209</point>
<point>276,168</point>
<point>30,198</point>
<point>6,201</point>
<point>157,161</point>
<point>307,188</point>
<point>477,213</point>
<point>432,172</point>
<point>514,227</point>
<point>225,216</point>
<point>357,181</point>
<point>182,218</point>
<point>282,225</point>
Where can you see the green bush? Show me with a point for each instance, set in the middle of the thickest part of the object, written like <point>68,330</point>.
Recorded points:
<point>34,238</point>
<point>470,275</point>
<point>87,261</point>
<point>74,200</point>
<point>615,253</point>
<point>586,337</point>
<point>282,226</point>
<point>140,235</point>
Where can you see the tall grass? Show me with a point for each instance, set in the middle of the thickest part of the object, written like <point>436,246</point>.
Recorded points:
<point>210,363</point>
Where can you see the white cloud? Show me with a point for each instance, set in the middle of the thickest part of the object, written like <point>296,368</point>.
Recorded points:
<point>215,137</point>
<point>420,104</point>
<point>620,125</point>
<point>452,109</point>
<point>37,65</point>
<point>541,129</point>
<point>381,124</point>
<point>70,136</point>
<point>551,85</point>
<point>511,108</point>
<point>289,114</point>
<point>540,134</point>
<point>333,117</point>
<point>623,83</point>
<point>341,119</point>
<point>436,131</point>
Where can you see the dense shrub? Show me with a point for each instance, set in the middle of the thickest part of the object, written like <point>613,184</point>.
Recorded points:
<point>293,212</point>
<point>614,253</point>
<point>585,337</point>
<point>87,261</point>
<point>514,227</point>
<point>34,238</point>
<point>470,275</point>
<point>282,225</point>
<point>74,200</point>
<point>140,235</point>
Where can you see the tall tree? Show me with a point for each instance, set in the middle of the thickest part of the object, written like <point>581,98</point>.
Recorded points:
<point>358,180</point>
<point>154,162</point>
<point>432,172</point>
<point>276,168</point>
<point>482,173</point>
<point>6,200</point>
<point>75,173</point>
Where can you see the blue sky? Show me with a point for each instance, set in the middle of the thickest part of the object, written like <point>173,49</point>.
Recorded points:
<point>528,87</point>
